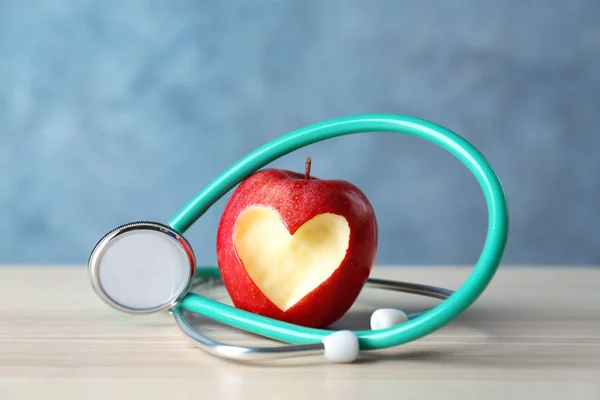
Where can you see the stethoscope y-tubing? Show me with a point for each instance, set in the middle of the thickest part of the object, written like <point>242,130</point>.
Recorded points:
<point>415,328</point>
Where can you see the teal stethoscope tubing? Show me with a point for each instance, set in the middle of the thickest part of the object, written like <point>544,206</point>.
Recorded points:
<point>415,328</point>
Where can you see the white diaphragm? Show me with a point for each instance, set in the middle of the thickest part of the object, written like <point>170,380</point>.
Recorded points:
<point>142,267</point>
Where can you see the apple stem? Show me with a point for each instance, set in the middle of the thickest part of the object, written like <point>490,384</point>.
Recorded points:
<point>307,170</point>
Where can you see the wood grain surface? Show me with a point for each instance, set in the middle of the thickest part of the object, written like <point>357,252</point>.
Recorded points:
<point>535,333</point>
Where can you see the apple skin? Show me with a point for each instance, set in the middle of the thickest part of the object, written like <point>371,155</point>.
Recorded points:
<point>297,200</point>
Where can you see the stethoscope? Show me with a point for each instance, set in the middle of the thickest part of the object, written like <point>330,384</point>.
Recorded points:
<point>147,267</point>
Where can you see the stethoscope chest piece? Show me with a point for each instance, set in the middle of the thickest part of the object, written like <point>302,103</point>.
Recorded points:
<point>142,267</point>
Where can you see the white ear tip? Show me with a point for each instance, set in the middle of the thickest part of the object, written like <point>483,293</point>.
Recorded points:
<point>386,318</point>
<point>341,347</point>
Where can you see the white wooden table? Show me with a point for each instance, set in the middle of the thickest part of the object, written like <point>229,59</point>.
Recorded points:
<point>535,333</point>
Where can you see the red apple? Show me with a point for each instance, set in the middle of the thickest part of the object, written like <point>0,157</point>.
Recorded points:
<point>296,248</point>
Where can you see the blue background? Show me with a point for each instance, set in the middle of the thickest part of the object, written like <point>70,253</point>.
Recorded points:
<point>112,111</point>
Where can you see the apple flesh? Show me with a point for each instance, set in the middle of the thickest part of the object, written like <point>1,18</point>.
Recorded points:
<point>296,248</point>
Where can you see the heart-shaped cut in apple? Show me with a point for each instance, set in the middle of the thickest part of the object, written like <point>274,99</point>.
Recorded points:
<point>287,267</point>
